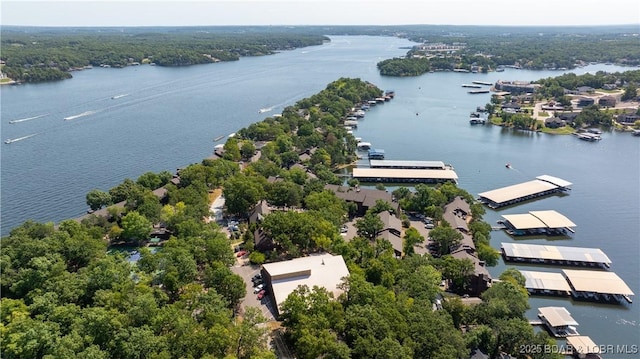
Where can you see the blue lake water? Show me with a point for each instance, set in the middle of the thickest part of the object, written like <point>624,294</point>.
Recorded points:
<point>169,117</point>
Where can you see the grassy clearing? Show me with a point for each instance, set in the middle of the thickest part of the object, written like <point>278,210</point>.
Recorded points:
<point>566,130</point>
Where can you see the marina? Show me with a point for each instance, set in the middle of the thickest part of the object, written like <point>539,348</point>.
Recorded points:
<point>597,286</point>
<point>554,255</point>
<point>546,283</point>
<point>558,321</point>
<point>542,186</point>
<point>398,175</point>
<point>537,222</point>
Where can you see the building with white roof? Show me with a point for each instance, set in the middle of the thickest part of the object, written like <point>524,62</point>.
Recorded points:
<point>324,270</point>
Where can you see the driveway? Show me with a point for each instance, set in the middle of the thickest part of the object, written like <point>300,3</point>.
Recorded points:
<point>419,226</point>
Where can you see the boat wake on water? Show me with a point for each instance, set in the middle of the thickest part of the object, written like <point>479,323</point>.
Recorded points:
<point>119,96</point>
<point>266,109</point>
<point>27,119</point>
<point>86,113</point>
<point>12,140</point>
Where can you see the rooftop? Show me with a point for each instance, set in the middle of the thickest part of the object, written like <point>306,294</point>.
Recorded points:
<point>323,270</point>
<point>557,316</point>
<point>545,281</point>
<point>539,219</point>
<point>596,282</point>
<point>405,173</point>
<point>512,192</point>
<point>544,252</point>
<point>582,344</point>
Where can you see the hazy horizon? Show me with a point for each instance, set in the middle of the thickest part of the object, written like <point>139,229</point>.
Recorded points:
<point>148,13</point>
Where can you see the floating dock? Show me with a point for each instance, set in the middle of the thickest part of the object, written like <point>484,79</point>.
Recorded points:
<point>482,83</point>
<point>472,86</point>
<point>474,92</point>
<point>555,255</point>
<point>541,186</point>
<point>538,222</point>
<point>414,165</point>
<point>397,175</point>
<point>558,321</point>
<point>597,286</point>
<point>546,283</point>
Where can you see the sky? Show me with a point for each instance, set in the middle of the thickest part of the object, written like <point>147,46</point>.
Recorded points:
<point>318,12</point>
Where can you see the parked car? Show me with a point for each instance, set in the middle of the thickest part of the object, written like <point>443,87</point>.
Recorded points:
<point>429,226</point>
<point>257,289</point>
<point>256,277</point>
<point>257,282</point>
<point>261,294</point>
<point>241,253</point>
<point>344,229</point>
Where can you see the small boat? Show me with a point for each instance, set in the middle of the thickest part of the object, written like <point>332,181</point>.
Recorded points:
<point>266,109</point>
<point>12,140</point>
<point>508,165</point>
<point>119,96</point>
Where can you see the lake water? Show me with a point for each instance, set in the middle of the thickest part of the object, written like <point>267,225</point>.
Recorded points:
<point>168,118</point>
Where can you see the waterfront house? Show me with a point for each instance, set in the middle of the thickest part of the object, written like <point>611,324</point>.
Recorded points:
<point>480,280</point>
<point>364,198</point>
<point>627,118</point>
<point>554,122</point>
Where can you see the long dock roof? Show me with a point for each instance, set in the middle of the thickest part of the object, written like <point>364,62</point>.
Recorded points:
<point>597,282</point>
<point>406,164</point>
<point>557,316</point>
<point>545,281</point>
<point>538,251</point>
<point>404,173</point>
<point>509,193</point>
<point>539,219</point>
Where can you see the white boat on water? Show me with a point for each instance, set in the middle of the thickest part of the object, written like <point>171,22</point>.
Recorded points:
<point>12,140</point>
<point>364,145</point>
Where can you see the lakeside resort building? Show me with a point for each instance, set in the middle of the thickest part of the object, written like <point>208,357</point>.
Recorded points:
<point>555,255</point>
<point>541,186</point>
<point>537,222</point>
<point>546,283</point>
<point>558,321</point>
<point>597,286</point>
<point>282,278</point>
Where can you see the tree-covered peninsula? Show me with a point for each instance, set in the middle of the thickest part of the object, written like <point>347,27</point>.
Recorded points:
<point>63,295</point>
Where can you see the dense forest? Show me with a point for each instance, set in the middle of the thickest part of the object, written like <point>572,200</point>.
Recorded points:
<point>68,293</point>
<point>48,54</point>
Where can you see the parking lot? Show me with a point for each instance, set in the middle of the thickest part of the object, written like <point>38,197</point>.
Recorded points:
<point>247,271</point>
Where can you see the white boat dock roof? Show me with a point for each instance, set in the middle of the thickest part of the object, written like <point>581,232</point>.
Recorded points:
<point>539,219</point>
<point>545,281</point>
<point>555,180</point>
<point>509,193</point>
<point>557,316</point>
<point>583,345</point>
<point>406,164</point>
<point>544,252</point>
<point>405,174</point>
<point>596,282</point>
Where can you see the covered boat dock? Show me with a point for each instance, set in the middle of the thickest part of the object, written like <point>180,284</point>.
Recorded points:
<point>597,286</point>
<point>558,321</point>
<point>582,347</point>
<point>541,186</point>
<point>413,165</point>
<point>538,222</point>
<point>543,254</point>
<point>546,283</point>
<point>404,175</point>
